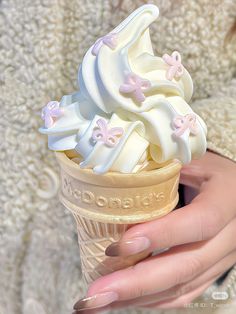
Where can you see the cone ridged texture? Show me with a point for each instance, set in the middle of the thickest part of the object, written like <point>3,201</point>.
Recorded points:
<point>105,206</point>
<point>94,237</point>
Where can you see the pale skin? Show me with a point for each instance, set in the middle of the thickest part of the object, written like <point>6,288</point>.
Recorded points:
<point>200,237</point>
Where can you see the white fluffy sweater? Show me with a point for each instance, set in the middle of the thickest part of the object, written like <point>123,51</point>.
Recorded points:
<point>41,45</point>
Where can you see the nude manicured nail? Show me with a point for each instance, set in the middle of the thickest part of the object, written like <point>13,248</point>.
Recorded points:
<point>101,310</point>
<point>96,301</point>
<point>129,247</point>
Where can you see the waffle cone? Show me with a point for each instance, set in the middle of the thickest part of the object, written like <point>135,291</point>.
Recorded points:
<point>105,206</point>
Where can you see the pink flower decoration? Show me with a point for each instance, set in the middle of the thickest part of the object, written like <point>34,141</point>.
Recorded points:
<point>183,123</point>
<point>110,137</point>
<point>50,111</point>
<point>176,68</point>
<point>109,40</point>
<point>136,86</point>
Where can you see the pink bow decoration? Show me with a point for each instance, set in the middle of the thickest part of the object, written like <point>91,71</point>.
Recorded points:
<point>110,137</point>
<point>50,111</point>
<point>135,85</point>
<point>176,69</point>
<point>109,40</point>
<point>183,123</point>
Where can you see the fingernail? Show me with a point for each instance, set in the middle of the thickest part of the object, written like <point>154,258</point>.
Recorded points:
<point>101,310</point>
<point>96,301</point>
<point>129,247</point>
<point>92,311</point>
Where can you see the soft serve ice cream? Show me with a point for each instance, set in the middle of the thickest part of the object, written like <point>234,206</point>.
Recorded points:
<point>132,106</point>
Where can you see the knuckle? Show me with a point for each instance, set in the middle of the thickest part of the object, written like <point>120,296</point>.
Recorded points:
<point>190,269</point>
<point>166,236</point>
<point>194,266</point>
<point>210,223</point>
<point>138,289</point>
<point>183,289</point>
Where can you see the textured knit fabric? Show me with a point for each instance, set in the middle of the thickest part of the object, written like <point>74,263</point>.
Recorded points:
<point>41,45</point>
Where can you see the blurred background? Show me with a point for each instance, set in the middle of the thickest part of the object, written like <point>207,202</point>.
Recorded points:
<point>42,43</point>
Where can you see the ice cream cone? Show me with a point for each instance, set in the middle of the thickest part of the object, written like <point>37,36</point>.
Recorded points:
<point>104,206</point>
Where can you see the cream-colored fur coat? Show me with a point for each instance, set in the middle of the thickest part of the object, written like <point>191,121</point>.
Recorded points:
<point>41,45</point>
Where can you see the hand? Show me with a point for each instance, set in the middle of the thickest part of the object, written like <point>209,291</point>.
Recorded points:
<point>200,241</point>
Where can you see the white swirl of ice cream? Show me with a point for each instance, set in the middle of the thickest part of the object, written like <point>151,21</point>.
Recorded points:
<point>147,117</point>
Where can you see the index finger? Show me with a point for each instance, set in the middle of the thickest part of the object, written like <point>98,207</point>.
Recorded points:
<point>158,273</point>
<point>202,219</point>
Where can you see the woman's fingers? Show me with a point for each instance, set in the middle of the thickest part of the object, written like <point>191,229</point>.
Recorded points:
<point>183,300</point>
<point>185,288</point>
<point>208,213</point>
<point>201,170</point>
<point>205,218</point>
<point>90,302</point>
<point>162,272</point>
<point>200,220</point>
<point>173,293</point>
<point>102,310</point>
<point>163,297</point>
